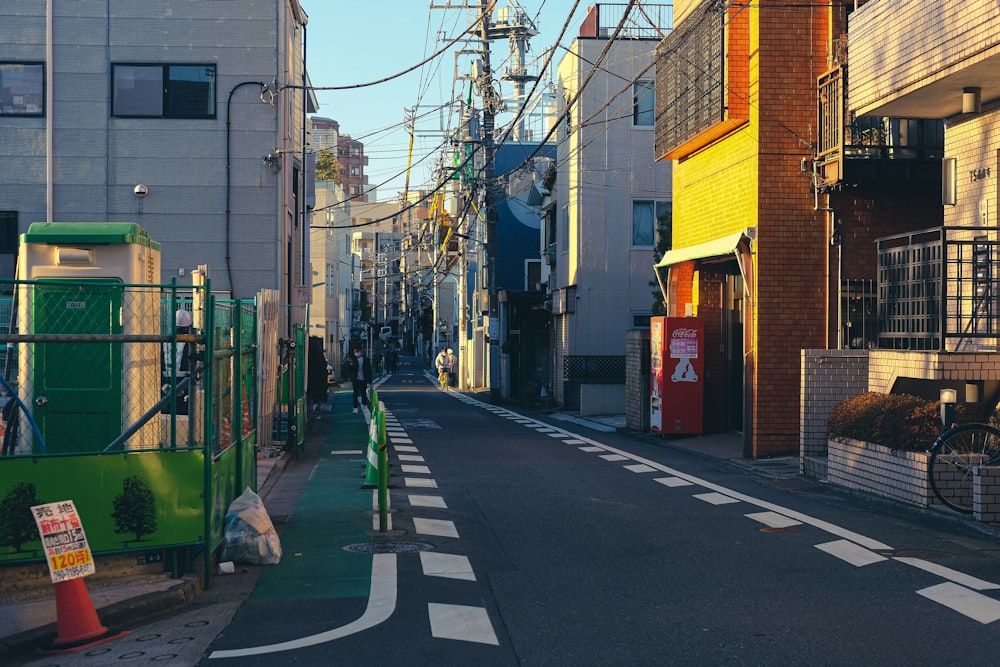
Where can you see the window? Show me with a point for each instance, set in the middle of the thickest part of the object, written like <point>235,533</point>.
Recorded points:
<point>22,89</point>
<point>564,228</point>
<point>643,98</point>
<point>648,219</point>
<point>355,171</point>
<point>163,91</point>
<point>8,232</point>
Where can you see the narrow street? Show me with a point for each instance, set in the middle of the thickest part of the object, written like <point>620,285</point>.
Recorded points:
<point>515,541</point>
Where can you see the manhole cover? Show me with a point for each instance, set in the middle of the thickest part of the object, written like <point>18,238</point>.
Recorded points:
<point>779,529</point>
<point>388,547</point>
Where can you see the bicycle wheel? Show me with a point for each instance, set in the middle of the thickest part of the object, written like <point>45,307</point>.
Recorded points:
<point>955,455</point>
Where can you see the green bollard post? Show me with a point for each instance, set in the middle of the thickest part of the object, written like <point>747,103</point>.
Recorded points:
<point>383,473</point>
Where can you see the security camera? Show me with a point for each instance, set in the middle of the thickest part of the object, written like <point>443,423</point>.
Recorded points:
<point>140,191</point>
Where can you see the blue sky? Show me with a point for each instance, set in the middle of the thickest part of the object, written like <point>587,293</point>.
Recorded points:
<point>352,43</point>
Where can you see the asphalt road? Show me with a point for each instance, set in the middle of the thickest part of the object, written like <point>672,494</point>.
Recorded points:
<point>517,542</point>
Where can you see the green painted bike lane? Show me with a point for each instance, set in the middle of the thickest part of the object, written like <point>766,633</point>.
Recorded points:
<point>332,512</point>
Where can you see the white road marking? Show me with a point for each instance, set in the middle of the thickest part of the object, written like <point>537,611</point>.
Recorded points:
<point>614,457</point>
<point>574,442</point>
<point>377,524</point>
<point>640,467</point>
<point>948,573</point>
<point>438,527</point>
<point>557,434</point>
<point>774,520</point>
<point>851,553</point>
<point>449,566</point>
<point>593,449</point>
<point>381,605</point>
<point>672,481</point>
<point>452,621</point>
<point>716,498</point>
<point>420,482</point>
<point>415,470</point>
<point>345,451</point>
<point>406,448</point>
<point>413,458</point>
<point>969,603</point>
<point>401,441</point>
<point>427,501</point>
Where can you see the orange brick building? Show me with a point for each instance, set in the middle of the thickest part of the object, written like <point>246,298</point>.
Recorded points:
<point>762,246</point>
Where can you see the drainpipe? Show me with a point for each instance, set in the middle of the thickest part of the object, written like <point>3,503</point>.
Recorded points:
<point>229,166</point>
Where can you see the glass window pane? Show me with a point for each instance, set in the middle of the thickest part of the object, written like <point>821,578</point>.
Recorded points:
<point>191,91</point>
<point>643,99</point>
<point>22,89</point>
<point>643,228</point>
<point>137,90</point>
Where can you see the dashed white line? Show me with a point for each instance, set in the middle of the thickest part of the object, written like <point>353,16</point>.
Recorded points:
<point>427,501</point>
<point>614,457</point>
<point>449,566</point>
<point>969,603</point>
<point>438,527</point>
<point>420,482</point>
<point>452,621</point>
<point>774,520</point>
<point>412,458</point>
<point>640,467</point>
<point>851,553</point>
<point>716,498</point>
<point>415,470</point>
<point>673,481</point>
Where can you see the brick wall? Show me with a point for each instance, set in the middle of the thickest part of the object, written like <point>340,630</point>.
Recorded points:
<point>637,379</point>
<point>827,377</point>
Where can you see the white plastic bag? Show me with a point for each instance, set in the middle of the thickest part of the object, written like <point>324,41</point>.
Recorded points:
<point>250,535</point>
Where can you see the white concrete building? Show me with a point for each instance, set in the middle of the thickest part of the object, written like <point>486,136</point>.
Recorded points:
<point>609,193</point>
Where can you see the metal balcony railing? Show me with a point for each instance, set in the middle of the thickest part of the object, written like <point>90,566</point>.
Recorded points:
<point>938,288</point>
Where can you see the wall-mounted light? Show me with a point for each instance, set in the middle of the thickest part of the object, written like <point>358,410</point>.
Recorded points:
<point>948,399</point>
<point>972,100</point>
<point>272,161</point>
<point>140,191</point>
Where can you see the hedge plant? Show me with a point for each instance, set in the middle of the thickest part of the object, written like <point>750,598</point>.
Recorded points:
<point>896,421</point>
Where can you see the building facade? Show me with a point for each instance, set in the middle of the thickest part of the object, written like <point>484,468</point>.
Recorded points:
<point>610,193</point>
<point>164,114</point>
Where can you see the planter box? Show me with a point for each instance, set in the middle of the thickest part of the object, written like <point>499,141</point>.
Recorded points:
<point>875,469</point>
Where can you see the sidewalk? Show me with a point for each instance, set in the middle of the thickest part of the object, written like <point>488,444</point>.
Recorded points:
<point>126,602</point>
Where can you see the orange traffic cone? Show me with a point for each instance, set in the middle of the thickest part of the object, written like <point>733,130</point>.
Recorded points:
<point>76,619</point>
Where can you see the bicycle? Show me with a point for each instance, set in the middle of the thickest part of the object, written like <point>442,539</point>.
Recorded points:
<point>955,455</point>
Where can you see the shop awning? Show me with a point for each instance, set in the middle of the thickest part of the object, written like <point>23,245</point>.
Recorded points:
<point>719,247</point>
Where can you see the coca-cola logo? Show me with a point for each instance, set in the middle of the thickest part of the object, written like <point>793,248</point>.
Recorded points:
<point>684,333</point>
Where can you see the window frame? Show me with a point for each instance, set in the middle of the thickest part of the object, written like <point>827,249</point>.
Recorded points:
<point>9,232</point>
<point>167,82</point>
<point>658,207</point>
<point>11,112</point>
<point>644,103</point>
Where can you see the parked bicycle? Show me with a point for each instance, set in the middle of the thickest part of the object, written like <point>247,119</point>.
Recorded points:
<point>955,455</point>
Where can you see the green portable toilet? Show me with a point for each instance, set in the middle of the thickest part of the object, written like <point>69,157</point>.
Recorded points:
<point>83,395</point>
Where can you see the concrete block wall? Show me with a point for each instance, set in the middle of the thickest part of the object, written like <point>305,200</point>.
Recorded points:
<point>986,494</point>
<point>637,387</point>
<point>827,378</point>
<point>871,468</point>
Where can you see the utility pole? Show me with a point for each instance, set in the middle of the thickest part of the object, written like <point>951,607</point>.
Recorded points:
<point>489,150</point>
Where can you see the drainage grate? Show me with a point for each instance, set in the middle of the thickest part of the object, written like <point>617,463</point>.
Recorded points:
<point>388,547</point>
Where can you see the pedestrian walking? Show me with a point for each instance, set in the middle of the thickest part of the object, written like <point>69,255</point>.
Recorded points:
<point>360,372</point>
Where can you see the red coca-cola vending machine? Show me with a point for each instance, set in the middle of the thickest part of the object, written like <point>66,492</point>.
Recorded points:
<point>677,367</point>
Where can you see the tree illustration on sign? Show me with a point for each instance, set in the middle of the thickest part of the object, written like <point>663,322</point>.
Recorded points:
<point>17,525</point>
<point>135,508</point>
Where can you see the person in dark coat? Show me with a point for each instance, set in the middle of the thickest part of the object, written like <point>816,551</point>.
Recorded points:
<point>360,373</point>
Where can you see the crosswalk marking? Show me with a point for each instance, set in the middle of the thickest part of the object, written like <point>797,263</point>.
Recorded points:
<point>614,457</point>
<point>412,458</point>
<point>415,470</point>
<point>640,467</point>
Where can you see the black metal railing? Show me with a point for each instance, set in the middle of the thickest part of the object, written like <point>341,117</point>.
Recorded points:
<point>936,285</point>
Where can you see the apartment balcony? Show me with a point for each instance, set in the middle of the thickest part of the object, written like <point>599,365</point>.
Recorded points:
<point>873,150</point>
<point>918,59</point>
